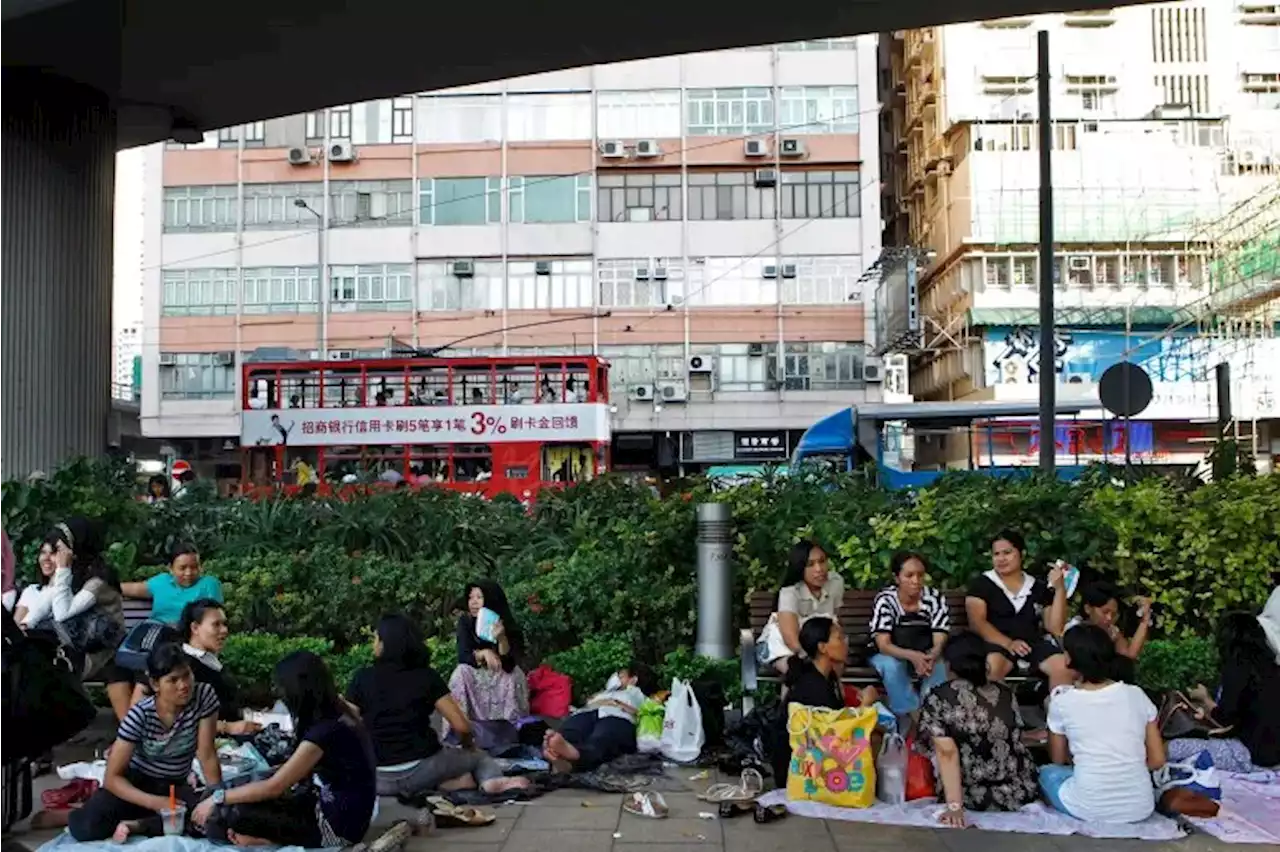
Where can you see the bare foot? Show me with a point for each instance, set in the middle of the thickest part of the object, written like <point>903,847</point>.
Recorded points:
<point>562,749</point>
<point>246,840</point>
<point>495,786</point>
<point>122,832</point>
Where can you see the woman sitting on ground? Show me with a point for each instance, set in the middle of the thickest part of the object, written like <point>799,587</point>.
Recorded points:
<point>33,597</point>
<point>1013,611</point>
<point>488,683</point>
<point>180,585</point>
<point>909,626</point>
<point>1102,609</point>
<point>395,698</point>
<point>1249,701</point>
<point>976,732</point>
<point>155,744</point>
<point>809,589</point>
<point>1103,737</point>
<point>332,747</point>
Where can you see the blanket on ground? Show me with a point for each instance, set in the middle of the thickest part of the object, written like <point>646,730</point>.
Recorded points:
<point>1250,811</point>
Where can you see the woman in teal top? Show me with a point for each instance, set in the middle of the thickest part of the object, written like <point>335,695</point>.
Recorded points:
<point>170,592</point>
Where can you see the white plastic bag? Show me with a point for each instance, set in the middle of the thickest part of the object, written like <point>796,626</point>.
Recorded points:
<point>770,647</point>
<point>682,736</point>
<point>891,770</point>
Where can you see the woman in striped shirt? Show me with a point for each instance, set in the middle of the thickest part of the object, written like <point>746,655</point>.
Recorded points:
<point>157,740</point>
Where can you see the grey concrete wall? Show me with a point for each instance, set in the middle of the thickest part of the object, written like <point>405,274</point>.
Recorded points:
<point>57,154</point>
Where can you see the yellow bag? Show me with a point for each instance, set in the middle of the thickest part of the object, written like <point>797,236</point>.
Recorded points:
<point>832,760</point>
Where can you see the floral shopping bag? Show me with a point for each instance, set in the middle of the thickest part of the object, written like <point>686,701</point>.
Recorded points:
<point>832,760</point>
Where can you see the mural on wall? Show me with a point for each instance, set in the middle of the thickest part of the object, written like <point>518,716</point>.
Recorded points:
<point>1018,361</point>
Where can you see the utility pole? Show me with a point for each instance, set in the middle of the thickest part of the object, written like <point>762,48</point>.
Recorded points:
<point>1048,375</point>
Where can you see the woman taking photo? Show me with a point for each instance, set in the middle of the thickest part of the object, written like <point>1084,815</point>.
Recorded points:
<point>809,589</point>
<point>1103,738</point>
<point>155,744</point>
<point>1014,611</point>
<point>332,747</point>
<point>909,626</point>
<point>395,698</point>
<point>976,732</point>
<point>488,684</point>
<point>182,584</point>
<point>1102,609</point>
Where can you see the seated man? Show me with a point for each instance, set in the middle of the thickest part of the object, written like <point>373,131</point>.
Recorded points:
<point>605,728</point>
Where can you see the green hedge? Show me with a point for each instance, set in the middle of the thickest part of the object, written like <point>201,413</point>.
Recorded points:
<point>604,567</point>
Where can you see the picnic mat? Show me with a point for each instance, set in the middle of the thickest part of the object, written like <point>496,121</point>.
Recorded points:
<point>64,843</point>
<point>1032,819</point>
<point>1250,810</point>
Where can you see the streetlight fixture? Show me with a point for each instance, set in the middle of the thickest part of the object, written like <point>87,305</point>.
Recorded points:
<point>322,283</point>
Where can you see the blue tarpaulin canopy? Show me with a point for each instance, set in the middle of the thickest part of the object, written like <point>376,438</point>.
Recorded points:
<point>832,434</point>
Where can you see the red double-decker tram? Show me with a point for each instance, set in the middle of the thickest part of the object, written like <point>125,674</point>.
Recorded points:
<point>484,425</point>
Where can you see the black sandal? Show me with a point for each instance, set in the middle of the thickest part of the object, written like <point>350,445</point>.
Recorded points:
<point>729,810</point>
<point>769,813</point>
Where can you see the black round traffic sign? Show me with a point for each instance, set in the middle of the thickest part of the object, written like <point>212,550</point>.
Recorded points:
<point>1125,389</point>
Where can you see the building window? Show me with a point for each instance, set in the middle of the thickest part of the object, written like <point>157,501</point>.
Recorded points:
<point>819,195</point>
<point>818,109</point>
<point>196,375</point>
<point>731,281</point>
<point>1024,272</point>
<point>729,112</point>
<point>821,44</point>
<point>744,367</point>
<point>640,283</point>
<point>198,292</point>
<point>460,201</point>
<point>339,123</point>
<point>542,199</point>
<point>280,290</point>
<point>255,135</point>
<point>460,118</point>
<point>822,280</point>
<point>199,208</point>
<point>547,117</point>
<point>997,272</point>
<point>441,290</point>
<point>273,205</point>
<point>727,196</point>
<point>566,284</point>
<point>822,366</point>
<point>371,202</point>
<point>638,115</point>
<point>638,198</point>
<point>377,287</point>
<point>402,120</point>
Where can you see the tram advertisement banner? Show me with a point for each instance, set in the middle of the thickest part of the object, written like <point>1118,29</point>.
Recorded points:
<point>425,424</point>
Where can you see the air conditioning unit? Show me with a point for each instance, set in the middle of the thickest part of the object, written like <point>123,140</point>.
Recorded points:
<point>673,391</point>
<point>224,359</point>
<point>463,268</point>
<point>792,148</point>
<point>755,148</point>
<point>640,393</point>
<point>613,149</point>
<point>1078,263</point>
<point>755,350</point>
<point>766,178</point>
<point>701,364</point>
<point>642,273</point>
<point>873,371</point>
<point>168,359</point>
<point>769,270</point>
<point>659,273</point>
<point>648,148</point>
<point>299,156</point>
<point>342,152</point>
<point>542,267</point>
<point>788,270</point>
<point>341,355</point>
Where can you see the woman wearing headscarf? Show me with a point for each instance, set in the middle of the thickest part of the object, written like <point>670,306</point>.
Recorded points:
<point>488,684</point>
<point>83,607</point>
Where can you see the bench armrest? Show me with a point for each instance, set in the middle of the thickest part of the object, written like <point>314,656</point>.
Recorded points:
<point>750,668</point>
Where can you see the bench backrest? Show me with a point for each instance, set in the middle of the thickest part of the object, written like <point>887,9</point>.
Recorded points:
<point>135,612</point>
<point>855,615</point>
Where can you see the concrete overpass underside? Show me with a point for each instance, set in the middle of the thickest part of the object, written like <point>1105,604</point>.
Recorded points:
<point>84,78</point>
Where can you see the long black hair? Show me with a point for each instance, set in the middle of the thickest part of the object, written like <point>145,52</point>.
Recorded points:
<point>495,599</point>
<point>1093,655</point>
<point>83,538</point>
<point>306,686</point>
<point>798,560</point>
<point>402,643</point>
<point>1243,642</point>
<point>966,657</point>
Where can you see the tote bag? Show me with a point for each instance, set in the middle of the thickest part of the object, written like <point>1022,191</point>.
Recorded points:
<point>832,760</point>
<point>682,736</point>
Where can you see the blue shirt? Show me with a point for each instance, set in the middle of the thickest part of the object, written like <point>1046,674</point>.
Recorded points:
<point>168,598</point>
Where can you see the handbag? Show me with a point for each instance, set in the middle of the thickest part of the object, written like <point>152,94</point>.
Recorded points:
<point>1180,717</point>
<point>44,703</point>
<point>770,647</point>
<point>913,632</point>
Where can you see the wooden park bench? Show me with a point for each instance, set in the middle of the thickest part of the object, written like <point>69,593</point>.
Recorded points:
<point>855,617</point>
<point>135,612</point>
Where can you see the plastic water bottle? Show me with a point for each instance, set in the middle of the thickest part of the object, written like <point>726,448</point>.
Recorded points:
<point>893,791</point>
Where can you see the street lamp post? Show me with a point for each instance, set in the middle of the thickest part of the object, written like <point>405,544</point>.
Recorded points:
<point>322,301</point>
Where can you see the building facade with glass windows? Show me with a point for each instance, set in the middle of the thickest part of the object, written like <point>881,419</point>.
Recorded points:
<point>716,209</point>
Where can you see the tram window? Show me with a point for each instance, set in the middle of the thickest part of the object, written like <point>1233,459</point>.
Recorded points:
<point>551,385</point>
<point>261,394</point>
<point>342,389</point>
<point>342,465</point>
<point>567,463</point>
<point>578,385</point>
<point>299,390</point>
<point>517,472</point>
<point>472,463</point>
<point>517,384</point>
<point>473,386</point>
<point>429,462</point>
<point>429,385</point>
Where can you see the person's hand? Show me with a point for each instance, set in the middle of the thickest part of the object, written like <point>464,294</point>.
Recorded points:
<point>490,660</point>
<point>1144,609</point>
<point>1058,575</point>
<point>62,555</point>
<point>499,630</point>
<point>201,814</point>
<point>952,819</point>
<point>1200,695</point>
<point>921,662</point>
<point>1019,648</point>
<point>241,728</point>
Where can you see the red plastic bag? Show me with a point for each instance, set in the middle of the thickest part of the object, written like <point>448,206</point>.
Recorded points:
<point>920,783</point>
<point>550,693</point>
<point>852,696</point>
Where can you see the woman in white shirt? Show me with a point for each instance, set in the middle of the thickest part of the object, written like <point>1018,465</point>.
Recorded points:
<point>34,596</point>
<point>1108,730</point>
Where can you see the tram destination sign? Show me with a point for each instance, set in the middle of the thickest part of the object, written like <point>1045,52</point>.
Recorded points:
<point>424,424</point>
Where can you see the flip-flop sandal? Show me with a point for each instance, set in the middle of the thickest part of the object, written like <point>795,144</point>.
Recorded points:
<point>771,813</point>
<point>448,815</point>
<point>647,805</point>
<point>392,839</point>
<point>729,810</point>
<point>749,788</point>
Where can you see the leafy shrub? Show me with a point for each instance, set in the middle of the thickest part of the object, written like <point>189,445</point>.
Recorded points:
<point>591,663</point>
<point>684,664</point>
<point>251,659</point>
<point>1177,664</point>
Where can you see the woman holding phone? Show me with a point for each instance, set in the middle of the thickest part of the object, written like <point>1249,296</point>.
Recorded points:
<point>488,684</point>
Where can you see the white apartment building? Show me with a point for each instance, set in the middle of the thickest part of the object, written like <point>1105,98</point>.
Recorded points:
<point>1166,123</point>
<point>717,208</point>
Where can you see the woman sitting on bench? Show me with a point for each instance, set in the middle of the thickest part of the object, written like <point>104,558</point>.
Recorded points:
<point>1013,611</point>
<point>810,589</point>
<point>909,626</point>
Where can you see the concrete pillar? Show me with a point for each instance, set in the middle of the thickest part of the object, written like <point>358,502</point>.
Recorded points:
<point>715,581</point>
<point>57,170</point>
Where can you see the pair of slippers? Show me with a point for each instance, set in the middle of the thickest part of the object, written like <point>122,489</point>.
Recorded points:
<point>762,814</point>
<point>448,815</point>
